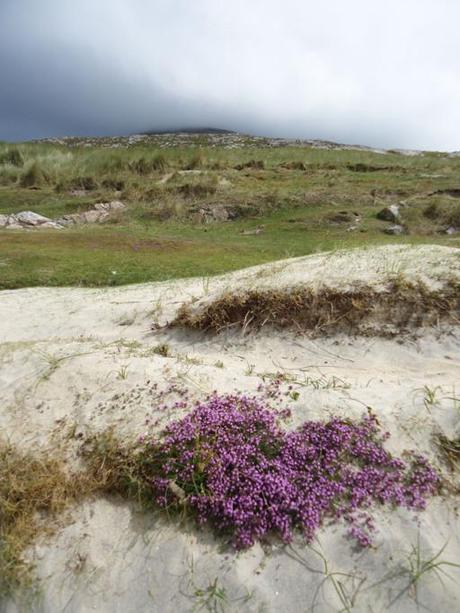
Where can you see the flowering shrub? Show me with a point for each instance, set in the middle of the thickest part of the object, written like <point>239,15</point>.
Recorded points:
<point>231,463</point>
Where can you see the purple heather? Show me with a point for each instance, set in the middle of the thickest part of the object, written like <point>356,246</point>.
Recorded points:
<point>247,477</point>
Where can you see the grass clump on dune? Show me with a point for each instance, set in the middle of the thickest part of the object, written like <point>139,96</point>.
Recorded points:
<point>30,487</point>
<point>398,306</point>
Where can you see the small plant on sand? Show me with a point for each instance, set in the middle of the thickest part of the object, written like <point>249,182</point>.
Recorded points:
<point>210,598</point>
<point>162,349</point>
<point>430,396</point>
<point>122,372</point>
<point>347,586</point>
<point>418,565</point>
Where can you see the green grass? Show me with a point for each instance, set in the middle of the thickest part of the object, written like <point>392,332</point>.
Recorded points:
<point>158,236</point>
<point>100,256</point>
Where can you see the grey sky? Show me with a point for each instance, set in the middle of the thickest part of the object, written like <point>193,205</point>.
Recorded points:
<point>384,73</point>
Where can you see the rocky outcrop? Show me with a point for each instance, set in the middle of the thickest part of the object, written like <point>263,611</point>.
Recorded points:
<point>29,220</point>
<point>212,213</point>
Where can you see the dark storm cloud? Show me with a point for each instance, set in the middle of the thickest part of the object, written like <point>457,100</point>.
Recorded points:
<point>384,74</point>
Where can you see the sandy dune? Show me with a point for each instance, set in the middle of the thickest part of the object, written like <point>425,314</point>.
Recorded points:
<point>85,359</point>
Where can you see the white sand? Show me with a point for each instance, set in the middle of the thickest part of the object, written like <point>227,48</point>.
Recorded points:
<point>79,360</point>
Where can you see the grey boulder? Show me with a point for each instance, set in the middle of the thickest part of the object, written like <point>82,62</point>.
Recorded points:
<point>29,218</point>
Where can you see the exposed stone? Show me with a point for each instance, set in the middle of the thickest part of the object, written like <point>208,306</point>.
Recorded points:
<point>67,220</point>
<point>390,213</point>
<point>213,213</point>
<point>11,220</point>
<point>452,230</point>
<point>30,218</point>
<point>94,216</point>
<point>395,230</point>
<point>220,213</point>
<point>101,206</point>
<point>115,205</point>
<point>51,225</point>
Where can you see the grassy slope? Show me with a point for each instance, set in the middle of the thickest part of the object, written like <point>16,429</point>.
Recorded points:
<point>158,237</point>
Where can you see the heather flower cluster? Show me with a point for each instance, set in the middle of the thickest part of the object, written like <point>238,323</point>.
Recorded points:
<point>230,462</point>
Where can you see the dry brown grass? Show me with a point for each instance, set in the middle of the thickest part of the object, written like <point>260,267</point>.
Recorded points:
<point>36,488</point>
<point>33,489</point>
<point>450,450</point>
<point>399,306</point>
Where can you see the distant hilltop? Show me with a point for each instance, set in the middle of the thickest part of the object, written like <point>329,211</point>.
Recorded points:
<point>202,130</point>
<point>213,137</point>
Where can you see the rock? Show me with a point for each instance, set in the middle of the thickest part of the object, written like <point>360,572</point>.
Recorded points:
<point>202,216</point>
<point>67,220</point>
<point>15,226</point>
<point>11,220</point>
<point>452,230</point>
<point>395,230</point>
<point>115,205</point>
<point>30,218</point>
<point>214,213</point>
<point>51,225</point>
<point>219,213</point>
<point>390,213</point>
<point>94,216</point>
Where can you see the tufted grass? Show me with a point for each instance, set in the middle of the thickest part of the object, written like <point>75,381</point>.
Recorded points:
<point>401,305</point>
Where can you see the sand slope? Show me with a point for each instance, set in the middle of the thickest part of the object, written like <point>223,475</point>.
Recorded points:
<point>80,360</point>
